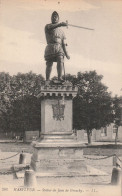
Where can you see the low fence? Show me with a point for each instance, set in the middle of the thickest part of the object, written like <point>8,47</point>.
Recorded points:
<point>30,177</point>
<point>116,162</point>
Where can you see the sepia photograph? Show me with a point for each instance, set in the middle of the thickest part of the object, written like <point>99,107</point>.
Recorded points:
<point>61,97</point>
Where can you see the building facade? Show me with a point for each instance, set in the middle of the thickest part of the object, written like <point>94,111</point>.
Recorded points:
<point>105,134</point>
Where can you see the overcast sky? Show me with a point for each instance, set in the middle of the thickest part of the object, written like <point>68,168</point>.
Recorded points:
<point>22,37</point>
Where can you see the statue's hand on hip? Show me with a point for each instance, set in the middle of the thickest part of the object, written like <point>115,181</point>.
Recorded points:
<point>68,57</point>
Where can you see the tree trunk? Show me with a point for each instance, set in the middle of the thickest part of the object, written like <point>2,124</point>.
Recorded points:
<point>39,132</point>
<point>89,136</point>
<point>116,137</point>
<point>24,137</point>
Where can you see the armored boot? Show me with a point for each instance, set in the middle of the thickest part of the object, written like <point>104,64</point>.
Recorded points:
<point>48,69</point>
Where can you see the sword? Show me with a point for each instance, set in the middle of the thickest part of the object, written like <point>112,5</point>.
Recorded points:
<point>78,26</point>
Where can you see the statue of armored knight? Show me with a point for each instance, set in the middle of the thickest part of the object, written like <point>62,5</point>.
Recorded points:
<point>56,46</point>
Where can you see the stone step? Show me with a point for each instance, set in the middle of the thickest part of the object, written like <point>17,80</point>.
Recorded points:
<point>59,137</point>
<point>57,141</point>
<point>58,133</point>
<point>54,144</point>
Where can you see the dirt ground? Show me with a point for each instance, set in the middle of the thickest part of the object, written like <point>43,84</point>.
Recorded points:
<point>8,150</point>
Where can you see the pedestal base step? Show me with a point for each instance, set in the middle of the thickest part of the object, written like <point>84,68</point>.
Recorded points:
<point>59,165</point>
<point>89,172</point>
<point>58,137</point>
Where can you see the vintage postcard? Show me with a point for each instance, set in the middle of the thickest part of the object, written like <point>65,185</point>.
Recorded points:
<point>60,97</point>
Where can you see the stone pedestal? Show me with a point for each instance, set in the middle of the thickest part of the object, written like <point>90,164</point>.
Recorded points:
<point>57,153</point>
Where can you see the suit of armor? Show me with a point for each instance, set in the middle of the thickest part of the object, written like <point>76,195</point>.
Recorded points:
<point>55,49</point>
<point>55,39</point>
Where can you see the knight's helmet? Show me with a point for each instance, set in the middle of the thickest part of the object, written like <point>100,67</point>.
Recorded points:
<point>54,13</point>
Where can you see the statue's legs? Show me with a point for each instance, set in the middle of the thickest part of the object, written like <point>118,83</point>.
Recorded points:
<point>48,69</point>
<point>60,61</point>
